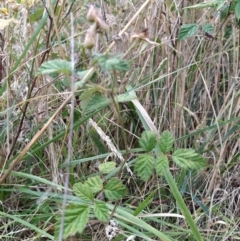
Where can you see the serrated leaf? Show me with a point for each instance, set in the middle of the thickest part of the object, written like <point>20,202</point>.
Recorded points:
<point>107,167</point>
<point>161,165</point>
<point>97,102</point>
<point>144,166</point>
<point>83,191</point>
<point>188,159</point>
<point>95,183</point>
<point>101,211</point>
<point>237,10</point>
<point>148,140</point>
<point>76,219</point>
<point>208,28</point>
<point>187,30</point>
<point>166,142</point>
<point>55,66</point>
<point>108,63</point>
<point>114,190</point>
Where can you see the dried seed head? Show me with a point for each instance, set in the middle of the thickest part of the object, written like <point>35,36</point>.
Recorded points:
<point>92,14</point>
<point>101,24</point>
<point>90,38</point>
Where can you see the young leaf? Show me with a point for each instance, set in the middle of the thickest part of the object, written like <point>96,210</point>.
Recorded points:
<point>161,165</point>
<point>148,140</point>
<point>144,166</point>
<point>101,211</point>
<point>95,183</point>
<point>83,191</point>
<point>76,219</point>
<point>187,31</point>
<point>107,167</point>
<point>114,190</point>
<point>165,142</point>
<point>55,66</point>
<point>188,159</point>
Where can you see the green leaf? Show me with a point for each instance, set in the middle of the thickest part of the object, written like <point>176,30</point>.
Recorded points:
<point>101,211</point>
<point>95,183</point>
<point>166,142</point>
<point>144,166</point>
<point>188,159</point>
<point>187,31</point>
<point>86,96</point>
<point>111,63</point>
<point>55,66</point>
<point>237,10</point>
<point>208,28</point>
<point>83,191</point>
<point>76,219</point>
<point>37,15</point>
<point>148,140</point>
<point>114,190</point>
<point>97,102</point>
<point>125,97</point>
<point>161,165</point>
<point>107,167</point>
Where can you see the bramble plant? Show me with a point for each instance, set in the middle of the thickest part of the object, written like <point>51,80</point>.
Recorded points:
<point>157,156</point>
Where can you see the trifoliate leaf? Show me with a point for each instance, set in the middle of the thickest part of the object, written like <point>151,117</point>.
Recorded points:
<point>107,167</point>
<point>188,159</point>
<point>83,191</point>
<point>144,166</point>
<point>161,165</point>
<point>114,190</point>
<point>95,183</point>
<point>148,140</point>
<point>166,141</point>
<point>76,219</point>
<point>101,211</point>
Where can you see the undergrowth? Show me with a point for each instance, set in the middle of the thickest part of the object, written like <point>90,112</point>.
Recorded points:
<point>119,120</point>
